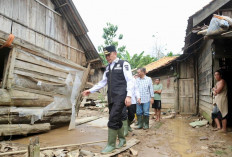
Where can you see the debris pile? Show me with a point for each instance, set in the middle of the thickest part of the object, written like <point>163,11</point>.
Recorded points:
<point>95,101</point>
<point>219,25</point>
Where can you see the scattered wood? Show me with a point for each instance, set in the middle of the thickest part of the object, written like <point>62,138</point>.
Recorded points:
<point>23,129</point>
<point>53,147</point>
<point>129,144</point>
<point>86,119</point>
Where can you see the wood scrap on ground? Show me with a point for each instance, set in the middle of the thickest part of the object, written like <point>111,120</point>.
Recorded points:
<point>53,147</point>
<point>129,144</point>
<point>86,120</point>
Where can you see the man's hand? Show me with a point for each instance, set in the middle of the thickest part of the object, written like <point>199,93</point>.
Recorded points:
<point>139,101</point>
<point>85,93</point>
<point>152,100</point>
<point>128,101</point>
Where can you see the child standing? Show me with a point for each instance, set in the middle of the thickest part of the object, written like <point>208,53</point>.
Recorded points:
<point>157,98</point>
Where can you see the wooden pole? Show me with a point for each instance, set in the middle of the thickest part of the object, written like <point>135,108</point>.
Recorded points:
<point>53,147</point>
<point>34,148</point>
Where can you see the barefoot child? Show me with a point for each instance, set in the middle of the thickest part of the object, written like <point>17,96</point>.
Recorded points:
<point>157,98</point>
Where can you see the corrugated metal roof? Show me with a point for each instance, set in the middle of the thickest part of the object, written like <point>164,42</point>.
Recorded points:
<point>160,63</point>
<point>68,10</point>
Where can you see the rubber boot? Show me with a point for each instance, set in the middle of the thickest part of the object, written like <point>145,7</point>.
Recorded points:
<point>112,136</point>
<point>129,127</point>
<point>121,137</point>
<point>140,121</point>
<point>125,126</point>
<point>146,122</point>
<point>136,119</point>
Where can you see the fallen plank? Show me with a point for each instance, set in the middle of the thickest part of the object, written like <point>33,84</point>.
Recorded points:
<point>53,147</point>
<point>129,144</point>
<point>23,129</point>
<point>86,120</point>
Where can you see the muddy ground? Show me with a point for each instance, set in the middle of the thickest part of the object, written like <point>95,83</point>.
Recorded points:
<point>168,138</point>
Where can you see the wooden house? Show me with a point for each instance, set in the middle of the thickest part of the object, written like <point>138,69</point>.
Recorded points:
<point>167,79</point>
<point>45,59</point>
<point>194,69</point>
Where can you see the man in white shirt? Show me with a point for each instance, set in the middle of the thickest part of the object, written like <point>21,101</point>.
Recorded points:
<point>118,76</point>
<point>134,100</point>
<point>129,112</point>
<point>147,97</point>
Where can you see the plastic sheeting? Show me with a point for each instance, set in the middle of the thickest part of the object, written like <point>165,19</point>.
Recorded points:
<point>66,101</point>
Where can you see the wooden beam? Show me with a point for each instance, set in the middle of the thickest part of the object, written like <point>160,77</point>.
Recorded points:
<point>11,68</point>
<point>227,34</point>
<point>23,129</point>
<point>53,147</point>
<point>6,70</point>
<point>34,147</point>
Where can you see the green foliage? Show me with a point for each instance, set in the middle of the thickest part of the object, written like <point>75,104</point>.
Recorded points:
<point>111,38</point>
<point>170,54</point>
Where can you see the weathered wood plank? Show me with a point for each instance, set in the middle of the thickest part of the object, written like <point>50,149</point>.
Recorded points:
<point>40,40</point>
<point>23,129</point>
<point>5,24</point>
<point>11,68</point>
<point>129,144</point>
<point>40,18</point>
<point>32,9</point>
<point>43,70</point>
<point>23,11</point>
<point>6,70</point>
<point>39,76</point>
<point>35,60</point>
<point>22,98</point>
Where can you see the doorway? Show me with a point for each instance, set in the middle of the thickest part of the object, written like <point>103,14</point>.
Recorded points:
<point>223,61</point>
<point>4,55</point>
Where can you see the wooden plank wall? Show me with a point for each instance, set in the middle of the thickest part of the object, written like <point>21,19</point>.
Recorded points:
<point>187,69</point>
<point>34,81</point>
<point>205,78</point>
<point>40,26</point>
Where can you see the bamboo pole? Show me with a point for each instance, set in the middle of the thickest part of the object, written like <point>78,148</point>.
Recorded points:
<point>52,147</point>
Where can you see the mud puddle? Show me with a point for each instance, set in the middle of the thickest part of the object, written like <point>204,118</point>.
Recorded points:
<point>61,136</point>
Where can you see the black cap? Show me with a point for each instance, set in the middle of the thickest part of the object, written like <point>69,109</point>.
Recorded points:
<point>107,50</point>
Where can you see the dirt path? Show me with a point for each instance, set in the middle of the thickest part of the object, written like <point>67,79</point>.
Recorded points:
<point>168,138</point>
<point>175,138</point>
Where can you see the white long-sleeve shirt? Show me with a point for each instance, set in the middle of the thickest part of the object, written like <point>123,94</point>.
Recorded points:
<point>135,92</point>
<point>127,74</point>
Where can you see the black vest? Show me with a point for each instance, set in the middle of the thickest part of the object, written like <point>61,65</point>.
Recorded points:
<point>117,85</point>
